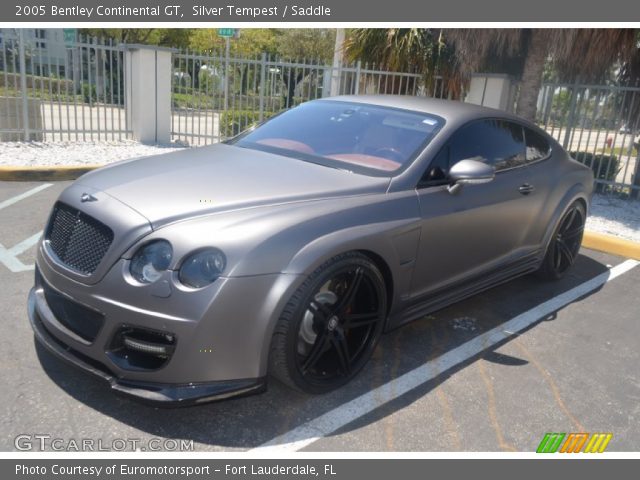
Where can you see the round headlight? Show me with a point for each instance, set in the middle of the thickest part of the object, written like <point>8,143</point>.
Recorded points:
<point>150,261</point>
<point>202,268</point>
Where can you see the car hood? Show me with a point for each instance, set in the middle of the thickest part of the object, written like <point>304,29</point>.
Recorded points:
<point>173,186</point>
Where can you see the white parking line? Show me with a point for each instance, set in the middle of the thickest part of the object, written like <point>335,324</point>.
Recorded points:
<point>22,196</point>
<point>340,416</point>
<point>9,257</point>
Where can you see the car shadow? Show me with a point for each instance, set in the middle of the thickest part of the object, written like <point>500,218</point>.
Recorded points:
<point>248,422</point>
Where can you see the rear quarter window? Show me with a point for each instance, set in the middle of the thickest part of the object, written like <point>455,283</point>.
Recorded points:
<point>537,146</point>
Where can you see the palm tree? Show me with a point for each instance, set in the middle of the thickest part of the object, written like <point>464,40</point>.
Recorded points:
<point>584,54</point>
<point>408,50</point>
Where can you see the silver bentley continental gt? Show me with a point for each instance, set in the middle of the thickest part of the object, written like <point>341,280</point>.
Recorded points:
<point>288,250</point>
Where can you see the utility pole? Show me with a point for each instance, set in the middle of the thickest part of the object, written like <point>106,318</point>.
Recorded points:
<point>23,85</point>
<point>227,48</point>
<point>336,68</point>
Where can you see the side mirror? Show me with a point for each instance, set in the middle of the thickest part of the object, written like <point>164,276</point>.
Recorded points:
<point>469,171</point>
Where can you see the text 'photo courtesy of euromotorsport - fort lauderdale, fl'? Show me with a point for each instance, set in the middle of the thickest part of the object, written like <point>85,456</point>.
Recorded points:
<point>181,471</point>
<point>215,13</point>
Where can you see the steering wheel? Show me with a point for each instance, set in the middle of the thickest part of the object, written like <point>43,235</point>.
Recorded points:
<point>389,153</point>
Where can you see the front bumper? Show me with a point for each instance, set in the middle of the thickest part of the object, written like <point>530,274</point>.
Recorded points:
<point>151,392</point>
<point>222,332</point>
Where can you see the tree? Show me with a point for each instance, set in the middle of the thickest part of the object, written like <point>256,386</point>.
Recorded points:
<point>300,45</point>
<point>306,43</point>
<point>585,54</point>
<point>167,37</point>
<point>407,50</point>
<point>251,42</point>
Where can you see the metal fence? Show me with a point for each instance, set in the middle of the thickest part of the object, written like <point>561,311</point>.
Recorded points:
<point>215,96</point>
<point>60,91</point>
<point>598,124</point>
<point>52,89</point>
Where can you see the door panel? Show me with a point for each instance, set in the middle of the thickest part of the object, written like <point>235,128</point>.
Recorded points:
<point>483,226</point>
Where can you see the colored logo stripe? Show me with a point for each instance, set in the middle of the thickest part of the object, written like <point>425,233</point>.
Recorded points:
<point>574,442</point>
<point>550,443</point>
<point>598,442</point>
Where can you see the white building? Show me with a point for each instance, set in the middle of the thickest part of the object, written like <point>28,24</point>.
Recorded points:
<point>46,49</point>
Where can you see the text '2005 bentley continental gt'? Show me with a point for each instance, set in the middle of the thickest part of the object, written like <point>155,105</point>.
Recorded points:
<point>289,249</point>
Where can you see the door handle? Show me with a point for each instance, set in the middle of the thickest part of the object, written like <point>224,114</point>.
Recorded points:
<point>526,189</point>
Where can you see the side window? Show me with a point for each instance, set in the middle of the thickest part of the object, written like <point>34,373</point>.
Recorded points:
<point>537,145</point>
<point>497,142</point>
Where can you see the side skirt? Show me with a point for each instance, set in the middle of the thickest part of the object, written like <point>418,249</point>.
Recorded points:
<point>451,294</point>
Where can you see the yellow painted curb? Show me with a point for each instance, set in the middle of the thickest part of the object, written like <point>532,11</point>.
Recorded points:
<point>40,174</point>
<point>610,244</point>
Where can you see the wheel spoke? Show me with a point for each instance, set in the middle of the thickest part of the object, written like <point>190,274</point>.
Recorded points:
<point>573,233</point>
<point>356,320</point>
<point>339,342</point>
<point>351,291</point>
<point>565,251</point>
<point>317,350</point>
<point>570,218</point>
<point>557,255</point>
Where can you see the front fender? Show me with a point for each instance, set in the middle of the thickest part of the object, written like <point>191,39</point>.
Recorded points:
<point>302,238</point>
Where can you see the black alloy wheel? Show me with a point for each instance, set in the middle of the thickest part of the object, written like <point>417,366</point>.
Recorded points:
<point>565,243</point>
<point>331,326</point>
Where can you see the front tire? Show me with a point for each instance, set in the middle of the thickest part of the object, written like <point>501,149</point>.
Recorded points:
<point>330,326</point>
<point>565,244</point>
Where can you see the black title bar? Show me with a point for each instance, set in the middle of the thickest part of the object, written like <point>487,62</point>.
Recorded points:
<point>277,11</point>
<point>308,469</point>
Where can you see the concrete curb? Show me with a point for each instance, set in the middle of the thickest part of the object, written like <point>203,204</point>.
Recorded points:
<point>611,244</point>
<point>43,174</point>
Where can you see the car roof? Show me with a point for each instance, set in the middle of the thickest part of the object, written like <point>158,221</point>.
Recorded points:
<point>451,110</point>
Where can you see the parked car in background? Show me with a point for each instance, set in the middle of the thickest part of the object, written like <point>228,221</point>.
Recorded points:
<point>289,249</point>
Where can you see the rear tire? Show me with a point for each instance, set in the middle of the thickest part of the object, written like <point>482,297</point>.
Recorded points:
<point>565,243</point>
<point>330,326</point>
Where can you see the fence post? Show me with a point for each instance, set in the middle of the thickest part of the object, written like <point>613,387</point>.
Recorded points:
<point>227,75</point>
<point>23,86</point>
<point>263,79</point>
<point>635,182</point>
<point>358,70</point>
<point>148,98</point>
<point>572,113</point>
<point>336,67</point>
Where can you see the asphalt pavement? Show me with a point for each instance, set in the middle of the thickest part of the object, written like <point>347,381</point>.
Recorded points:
<point>574,367</point>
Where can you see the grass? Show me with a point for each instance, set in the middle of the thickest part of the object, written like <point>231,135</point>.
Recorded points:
<point>40,94</point>
<point>619,151</point>
<point>196,100</point>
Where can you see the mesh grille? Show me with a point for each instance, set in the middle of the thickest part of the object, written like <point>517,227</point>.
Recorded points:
<point>79,319</point>
<point>79,240</point>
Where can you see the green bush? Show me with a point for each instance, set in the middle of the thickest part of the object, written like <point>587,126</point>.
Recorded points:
<point>232,122</point>
<point>89,93</point>
<point>57,85</point>
<point>209,82</point>
<point>197,101</point>
<point>605,167</point>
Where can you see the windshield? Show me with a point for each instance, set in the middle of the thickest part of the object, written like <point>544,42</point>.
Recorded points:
<point>352,136</point>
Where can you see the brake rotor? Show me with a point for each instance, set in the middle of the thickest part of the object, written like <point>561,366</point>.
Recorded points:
<point>307,335</point>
